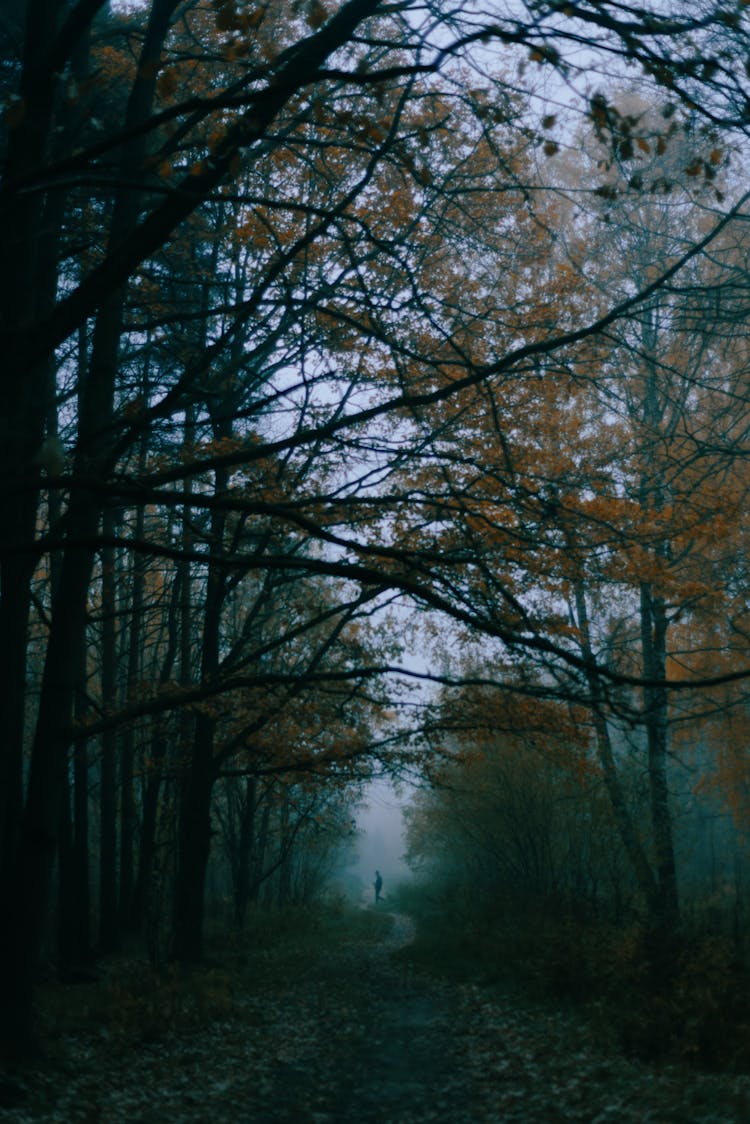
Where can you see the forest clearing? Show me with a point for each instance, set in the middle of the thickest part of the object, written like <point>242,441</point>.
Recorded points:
<point>334,1021</point>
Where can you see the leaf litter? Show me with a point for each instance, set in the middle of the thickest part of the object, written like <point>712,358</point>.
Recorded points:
<point>356,1032</point>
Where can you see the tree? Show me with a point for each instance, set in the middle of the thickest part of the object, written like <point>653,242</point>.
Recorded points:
<point>327,324</point>
<point>622,526</point>
<point>517,819</point>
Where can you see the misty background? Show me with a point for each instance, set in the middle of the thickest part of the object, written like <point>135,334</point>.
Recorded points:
<point>378,843</point>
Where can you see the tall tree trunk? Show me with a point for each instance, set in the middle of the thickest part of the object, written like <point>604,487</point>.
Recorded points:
<point>198,780</point>
<point>15,602</point>
<point>127,749</point>
<point>157,755</point>
<point>108,920</point>
<point>194,844</point>
<point>80,883</point>
<point>199,775</point>
<point>66,927</point>
<point>74,900</point>
<point>285,851</point>
<point>653,642</point>
<point>653,626</point>
<point>149,821</point>
<point>26,285</point>
<point>36,852</point>
<point>245,839</point>
<point>639,862</point>
<point>30,893</point>
<point>260,849</point>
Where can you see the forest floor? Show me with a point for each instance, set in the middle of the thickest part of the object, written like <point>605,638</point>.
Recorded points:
<point>341,1026</point>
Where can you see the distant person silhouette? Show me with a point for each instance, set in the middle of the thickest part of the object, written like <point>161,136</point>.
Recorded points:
<point>378,884</point>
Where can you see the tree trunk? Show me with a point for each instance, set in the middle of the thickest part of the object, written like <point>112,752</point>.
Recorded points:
<point>30,892</point>
<point>200,774</point>
<point>24,289</point>
<point>80,882</point>
<point>196,789</point>
<point>285,852</point>
<point>157,755</point>
<point>639,862</point>
<point>74,901</point>
<point>194,844</point>
<point>653,640</point>
<point>108,920</point>
<point>149,821</point>
<point>653,626</point>
<point>260,849</point>
<point>66,950</point>
<point>245,851</point>
<point>15,601</point>
<point>36,852</point>
<point>127,749</point>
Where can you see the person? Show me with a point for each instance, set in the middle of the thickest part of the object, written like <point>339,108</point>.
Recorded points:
<point>378,884</point>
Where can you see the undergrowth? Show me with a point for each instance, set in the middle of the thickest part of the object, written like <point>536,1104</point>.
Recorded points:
<point>697,1012</point>
<point>131,1002</point>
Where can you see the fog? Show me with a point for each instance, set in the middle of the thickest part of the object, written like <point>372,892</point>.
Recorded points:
<point>379,844</point>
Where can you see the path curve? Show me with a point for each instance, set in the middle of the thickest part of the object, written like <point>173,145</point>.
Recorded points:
<point>404,1070</point>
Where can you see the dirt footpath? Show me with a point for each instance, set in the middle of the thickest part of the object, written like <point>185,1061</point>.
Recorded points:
<point>397,1046</point>
<point>406,1067</point>
<point>357,1035</point>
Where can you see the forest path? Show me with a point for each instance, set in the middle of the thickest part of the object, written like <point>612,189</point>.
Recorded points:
<point>423,1050</point>
<point>404,1067</point>
<point>349,1031</point>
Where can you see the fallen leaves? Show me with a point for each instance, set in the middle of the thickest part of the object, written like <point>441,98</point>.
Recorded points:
<point>356,1032</point>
